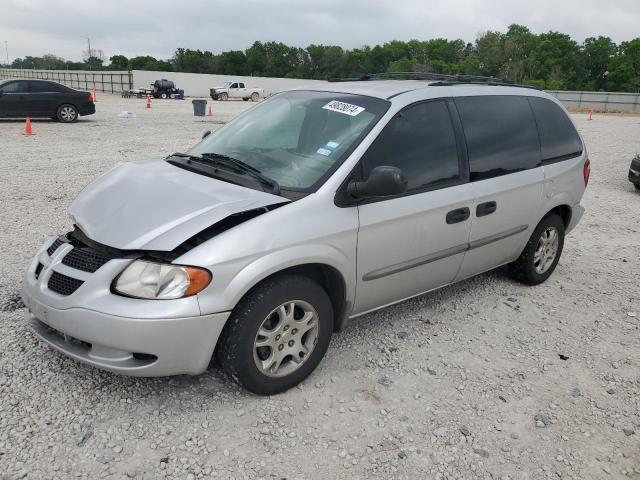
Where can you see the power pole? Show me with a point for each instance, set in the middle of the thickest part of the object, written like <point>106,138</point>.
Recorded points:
<point>89,53</point>
<point>6,51</point>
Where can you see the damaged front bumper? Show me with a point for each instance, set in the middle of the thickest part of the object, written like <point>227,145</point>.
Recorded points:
<point>124,335</point>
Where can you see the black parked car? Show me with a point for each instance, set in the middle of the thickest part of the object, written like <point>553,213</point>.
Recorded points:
<point>42,98</point>
<point>634,172</point>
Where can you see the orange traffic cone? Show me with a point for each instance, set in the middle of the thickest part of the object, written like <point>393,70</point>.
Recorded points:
<point>591,114</point>
<point>210,113</point>
<point>148,101</point>
<point>93,94</point>
<point>27,127</point>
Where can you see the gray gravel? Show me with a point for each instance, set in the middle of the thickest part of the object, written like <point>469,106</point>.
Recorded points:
<point>466,382</point>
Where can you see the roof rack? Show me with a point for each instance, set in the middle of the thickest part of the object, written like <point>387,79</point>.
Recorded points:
<point>440,79</point>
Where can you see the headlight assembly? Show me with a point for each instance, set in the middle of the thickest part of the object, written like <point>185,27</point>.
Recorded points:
<point>161,281</point>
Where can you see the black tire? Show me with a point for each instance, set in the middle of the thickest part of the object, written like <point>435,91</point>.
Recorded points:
<point>235,350</point>
<point>163,95</point>
<point>637,185</point>
<point>524,268</point>
<point>67,113</point>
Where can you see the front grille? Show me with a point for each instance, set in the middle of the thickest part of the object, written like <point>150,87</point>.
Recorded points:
<point>54,246</point>
<point>84,259</point>
<point>62,284</point>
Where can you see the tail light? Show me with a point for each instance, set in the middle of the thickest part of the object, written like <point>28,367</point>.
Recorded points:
<point>586,171</point>
<point>90,99</point>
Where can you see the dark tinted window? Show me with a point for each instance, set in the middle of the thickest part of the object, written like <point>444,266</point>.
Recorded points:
<point>420,141</point>
<point>43,87</point>
<point>14,87</point>
<point>501,135</point>
<point>558,136</point>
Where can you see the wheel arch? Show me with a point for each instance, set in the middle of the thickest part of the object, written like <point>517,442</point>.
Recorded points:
<point>326,275</point>
<point>563,210</point>
<point>62,104</point>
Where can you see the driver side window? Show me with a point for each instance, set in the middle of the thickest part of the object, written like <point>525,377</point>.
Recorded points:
<point>421,142</point>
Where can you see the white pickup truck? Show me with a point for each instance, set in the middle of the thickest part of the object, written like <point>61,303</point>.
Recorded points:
<point>236,90</point>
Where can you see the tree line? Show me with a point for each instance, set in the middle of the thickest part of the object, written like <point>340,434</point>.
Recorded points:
<point>551,60</point>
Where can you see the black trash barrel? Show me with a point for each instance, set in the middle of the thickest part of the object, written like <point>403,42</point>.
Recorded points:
<point>199,107</point>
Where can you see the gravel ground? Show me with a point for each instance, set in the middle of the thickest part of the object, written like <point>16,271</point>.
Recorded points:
<point>485,379</point>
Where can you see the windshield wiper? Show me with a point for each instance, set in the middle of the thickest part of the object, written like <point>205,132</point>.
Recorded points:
<point>235,165</point>
<point>244,167</point>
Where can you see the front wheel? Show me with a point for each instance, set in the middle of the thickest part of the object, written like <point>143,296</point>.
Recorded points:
<point>277,334</point>
<point>67,113</point>
<point>540,256</point>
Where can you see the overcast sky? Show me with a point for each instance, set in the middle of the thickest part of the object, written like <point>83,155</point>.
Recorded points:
<point>137,27</point>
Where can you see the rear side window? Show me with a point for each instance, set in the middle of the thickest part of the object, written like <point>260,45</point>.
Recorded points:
<point>14,87</point>
<point>420,141</point>
<point>558,137</point>
<point>501,135</point>
<point>44,87</point>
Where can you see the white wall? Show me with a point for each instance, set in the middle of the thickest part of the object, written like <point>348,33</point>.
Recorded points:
<point>198,84</point>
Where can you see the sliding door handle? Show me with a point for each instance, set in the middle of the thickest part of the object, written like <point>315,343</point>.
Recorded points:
<point>458,215</point>
<point>486,208</point>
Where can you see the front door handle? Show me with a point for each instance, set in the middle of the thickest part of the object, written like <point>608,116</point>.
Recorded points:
<point>486,208</point>
<point>458,215</point>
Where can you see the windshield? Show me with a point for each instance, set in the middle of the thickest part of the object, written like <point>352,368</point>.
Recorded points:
<point>296,138</point>
<point>226,84</point>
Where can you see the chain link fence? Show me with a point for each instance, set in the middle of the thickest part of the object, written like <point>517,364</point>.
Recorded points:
<point>103,81</point>
<point>199,84</point>
<point>598,101</point>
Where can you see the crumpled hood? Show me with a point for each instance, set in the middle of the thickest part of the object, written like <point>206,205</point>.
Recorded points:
<point>153,205</point>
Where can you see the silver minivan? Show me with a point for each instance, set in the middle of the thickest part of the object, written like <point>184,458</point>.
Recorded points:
<point>313,207</point>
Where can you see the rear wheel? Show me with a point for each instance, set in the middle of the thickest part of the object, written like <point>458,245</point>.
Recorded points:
<point>163,95</point>
<point>224,96</point>
<point>277,334</point>
<point>540,256</point>
<point>255,97</point>
<point>637,185</point>
<point>67,113</point>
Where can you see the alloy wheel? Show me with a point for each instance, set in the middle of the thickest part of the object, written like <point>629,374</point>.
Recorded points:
<point>546,250</point>
<point>68,114</point>
<point>286,338</point>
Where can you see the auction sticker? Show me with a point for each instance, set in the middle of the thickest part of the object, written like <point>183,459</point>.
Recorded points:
<point>342,107</point>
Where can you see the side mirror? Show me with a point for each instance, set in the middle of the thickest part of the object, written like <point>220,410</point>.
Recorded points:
<point>383,181</point>
<point>206,134</point>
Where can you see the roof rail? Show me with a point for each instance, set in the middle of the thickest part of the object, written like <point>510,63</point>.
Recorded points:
<point>440,79</point>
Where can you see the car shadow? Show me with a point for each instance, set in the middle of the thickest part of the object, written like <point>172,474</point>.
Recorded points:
<point>214,381</point>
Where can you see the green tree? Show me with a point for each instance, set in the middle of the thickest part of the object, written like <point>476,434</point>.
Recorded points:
<point>119,62</point>
<point>256,56</point>
<point>595,56</point>
<point>624,68</point>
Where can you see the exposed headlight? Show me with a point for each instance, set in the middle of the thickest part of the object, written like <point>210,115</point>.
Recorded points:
<point>162,281</point>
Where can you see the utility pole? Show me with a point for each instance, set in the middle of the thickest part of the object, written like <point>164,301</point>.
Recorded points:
<point>6,51</point>
<point>89,53</point>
